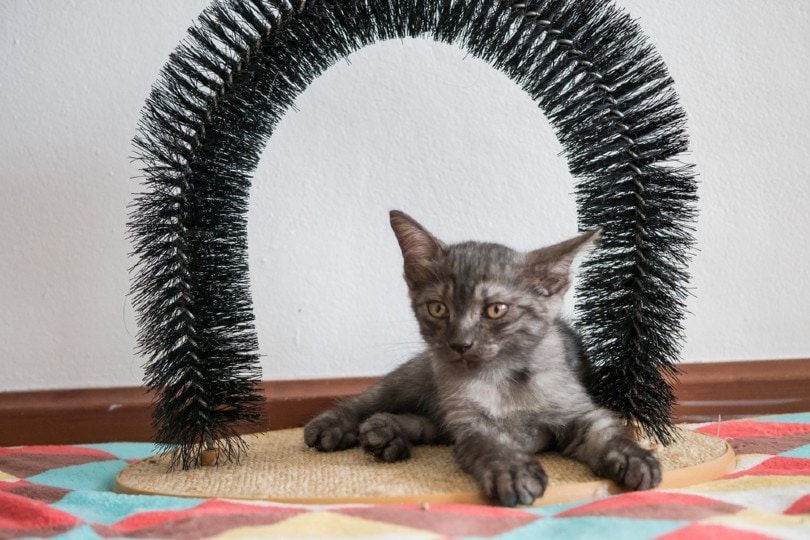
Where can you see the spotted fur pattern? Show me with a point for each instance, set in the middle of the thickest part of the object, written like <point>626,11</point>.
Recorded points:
<point>501,378</point>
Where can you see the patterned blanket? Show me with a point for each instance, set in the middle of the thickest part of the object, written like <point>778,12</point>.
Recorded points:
<point>66,492</point>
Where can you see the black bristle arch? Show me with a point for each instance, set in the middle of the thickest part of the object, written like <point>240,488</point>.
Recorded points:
<point>599,81</point>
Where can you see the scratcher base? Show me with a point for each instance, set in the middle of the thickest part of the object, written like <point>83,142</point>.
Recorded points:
<point>279,467</point>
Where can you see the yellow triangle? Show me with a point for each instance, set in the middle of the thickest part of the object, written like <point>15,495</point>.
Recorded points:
<point>5,477</point>
<point>326,524</point>
<point>757,517</point>
<point>745,483</point>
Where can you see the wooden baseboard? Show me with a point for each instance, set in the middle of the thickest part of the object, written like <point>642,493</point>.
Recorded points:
<point>739,389</point>
<point>705,392</point>
<point>125,414</point>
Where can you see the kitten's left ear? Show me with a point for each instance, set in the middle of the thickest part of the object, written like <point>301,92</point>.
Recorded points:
<point>420,249</point>
<point>549,268</point>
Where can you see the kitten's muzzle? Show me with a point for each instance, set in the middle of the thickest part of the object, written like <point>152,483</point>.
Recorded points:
<point>461,348</point>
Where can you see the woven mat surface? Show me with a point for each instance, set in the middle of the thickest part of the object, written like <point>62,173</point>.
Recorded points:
<point>280,467</point>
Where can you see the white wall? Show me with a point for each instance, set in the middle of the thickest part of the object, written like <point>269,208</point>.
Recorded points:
<point>410,125</point>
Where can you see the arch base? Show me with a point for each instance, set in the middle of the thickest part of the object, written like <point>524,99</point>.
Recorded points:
<point>279,467</point>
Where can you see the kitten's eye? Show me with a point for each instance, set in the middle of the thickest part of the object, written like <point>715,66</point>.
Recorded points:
<point>496,311</point>
<point>437,309</point>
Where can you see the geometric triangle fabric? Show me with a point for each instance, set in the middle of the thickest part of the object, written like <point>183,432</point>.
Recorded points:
<point>65,491</point>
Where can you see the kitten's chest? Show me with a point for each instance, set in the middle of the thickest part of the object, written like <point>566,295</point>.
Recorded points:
<point>497,398</point>
<point>549,393</point>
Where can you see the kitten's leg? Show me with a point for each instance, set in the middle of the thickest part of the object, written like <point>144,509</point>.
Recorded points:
<point>389,437</point>
<point>600,440</point>
<point>339,427</point>
<point>335,429</point>
<point>506,475</point>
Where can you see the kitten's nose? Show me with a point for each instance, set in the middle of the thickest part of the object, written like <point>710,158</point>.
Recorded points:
<point>461,348</point>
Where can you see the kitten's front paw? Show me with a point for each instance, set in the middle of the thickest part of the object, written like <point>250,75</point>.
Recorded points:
<point>383,437</point>
<point>519,480</point>
<point>330,431</point>
<point>632,467</point>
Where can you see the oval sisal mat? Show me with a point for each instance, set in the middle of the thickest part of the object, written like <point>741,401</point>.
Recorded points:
<point>279,467</point>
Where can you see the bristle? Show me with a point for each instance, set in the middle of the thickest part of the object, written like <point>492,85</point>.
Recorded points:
<point>602,86</point>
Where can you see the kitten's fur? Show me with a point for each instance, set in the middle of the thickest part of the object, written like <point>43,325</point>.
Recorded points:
<point>501,378</point>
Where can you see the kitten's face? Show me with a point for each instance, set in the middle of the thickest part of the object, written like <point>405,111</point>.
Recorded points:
<point>478,303</point>
<point>478,306</point>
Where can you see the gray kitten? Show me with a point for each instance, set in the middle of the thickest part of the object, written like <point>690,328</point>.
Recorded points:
<point>502,376</point>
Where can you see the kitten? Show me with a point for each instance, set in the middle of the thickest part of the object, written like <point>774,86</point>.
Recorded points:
<point>502,376</point>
